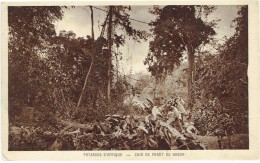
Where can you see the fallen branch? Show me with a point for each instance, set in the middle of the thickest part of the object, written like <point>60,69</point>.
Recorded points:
<point>88,127</point>
<point>57,144</point>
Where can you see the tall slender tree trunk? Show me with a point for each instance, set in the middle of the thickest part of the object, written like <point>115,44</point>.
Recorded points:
<point>109,33</point>
<point>91,65</point>
<point>191,73</point>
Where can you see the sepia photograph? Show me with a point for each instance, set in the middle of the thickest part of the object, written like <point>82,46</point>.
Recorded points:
<point>128,77</point>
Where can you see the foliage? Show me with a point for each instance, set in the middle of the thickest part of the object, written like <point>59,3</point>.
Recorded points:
<point>67,59</point>
<point>30,31</point>
<point>123,22</point>
<point>54,66</point>
<point>47,72</point>
<point>175,29</point>
<point>142,82</point>
<point>115,132</point>
<point>119,92</point>
<point>224,76</point>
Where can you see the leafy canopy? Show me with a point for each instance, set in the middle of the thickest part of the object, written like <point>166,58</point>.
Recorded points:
<point>176,28</point>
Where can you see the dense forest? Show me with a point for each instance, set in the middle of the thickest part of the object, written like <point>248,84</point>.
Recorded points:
<point>67,93</point>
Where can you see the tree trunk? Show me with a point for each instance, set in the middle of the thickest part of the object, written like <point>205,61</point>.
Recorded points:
<point>91,65</point>
<point>190,76</point>
<point>109,33</point>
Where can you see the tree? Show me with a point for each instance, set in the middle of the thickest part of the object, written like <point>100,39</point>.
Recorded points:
<point>30,31</point>
<point>178,31</point>
<point>119,18</point>
<point>67,59</point>
<point>92,60</point>
<point>224,76</point>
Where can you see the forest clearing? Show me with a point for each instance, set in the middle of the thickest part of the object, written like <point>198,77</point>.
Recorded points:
<point>137,77</point>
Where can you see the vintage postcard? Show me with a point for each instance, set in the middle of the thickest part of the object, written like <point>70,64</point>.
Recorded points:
<point>151,80</point>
